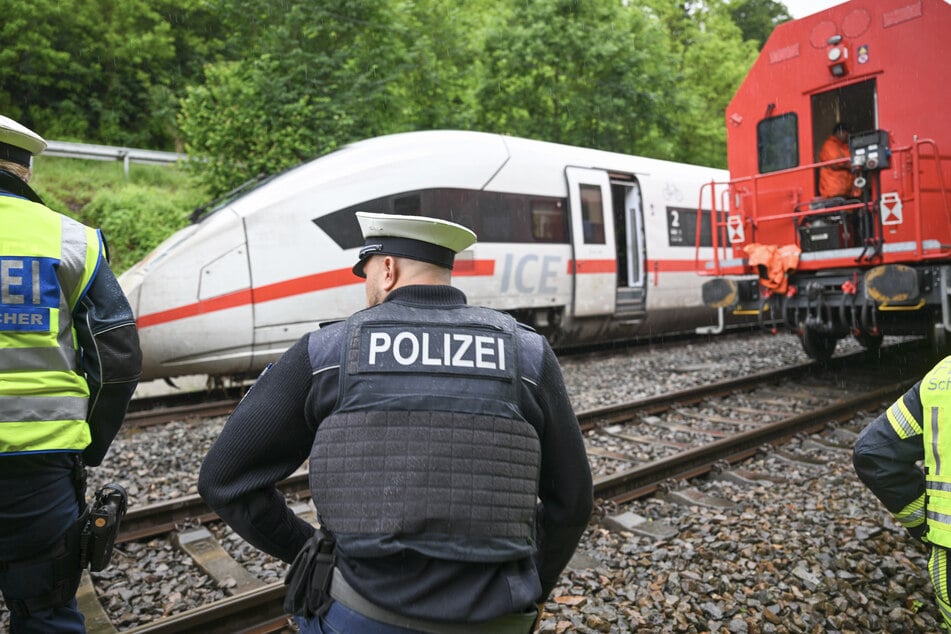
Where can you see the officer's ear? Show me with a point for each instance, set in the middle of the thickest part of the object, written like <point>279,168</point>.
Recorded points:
<point>390,272</point>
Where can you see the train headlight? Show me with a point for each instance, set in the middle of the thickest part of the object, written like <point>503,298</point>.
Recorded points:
<point>837,56</point>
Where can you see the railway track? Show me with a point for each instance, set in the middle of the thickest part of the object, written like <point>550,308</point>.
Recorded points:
<point>635,449</point>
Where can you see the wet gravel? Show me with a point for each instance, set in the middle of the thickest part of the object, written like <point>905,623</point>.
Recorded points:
<point>812,551</point>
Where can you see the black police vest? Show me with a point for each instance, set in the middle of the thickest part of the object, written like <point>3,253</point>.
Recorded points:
<point>427,449</point>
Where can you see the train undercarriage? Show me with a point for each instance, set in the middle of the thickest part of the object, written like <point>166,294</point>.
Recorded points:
<point>867,304</point>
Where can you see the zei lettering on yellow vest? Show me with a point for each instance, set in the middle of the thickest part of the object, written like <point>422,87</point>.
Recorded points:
<point>450,350</point>
<point>28,291</point>
<point>12,274</point>
<point>20,319</point>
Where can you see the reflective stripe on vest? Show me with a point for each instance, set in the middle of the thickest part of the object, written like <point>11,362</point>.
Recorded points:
<point>47,263</point>
<point>936,405</point>
<point>902,421</point>
<point>913,514</point>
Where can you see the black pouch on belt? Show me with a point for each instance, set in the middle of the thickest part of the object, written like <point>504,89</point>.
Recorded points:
<point>308,580</point>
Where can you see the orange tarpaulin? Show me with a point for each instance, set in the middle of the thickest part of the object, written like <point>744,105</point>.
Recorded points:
<point>773,263</point>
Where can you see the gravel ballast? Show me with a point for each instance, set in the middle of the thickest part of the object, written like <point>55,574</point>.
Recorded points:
<point>804,549</point>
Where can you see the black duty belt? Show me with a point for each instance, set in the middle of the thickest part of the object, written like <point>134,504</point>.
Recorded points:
<point>341,591</point>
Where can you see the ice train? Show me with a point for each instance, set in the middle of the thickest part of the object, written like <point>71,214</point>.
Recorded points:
<point>583,245</point>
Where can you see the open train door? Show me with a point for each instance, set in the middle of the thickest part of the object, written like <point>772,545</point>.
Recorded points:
<point>630,248</point>
<point>593,265</point>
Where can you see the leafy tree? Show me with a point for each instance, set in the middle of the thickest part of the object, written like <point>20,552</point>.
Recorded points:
<point>439,45</point>
<point>581,72</point>
<point>311,80</point>
<point>757,18</point>
<point>198,40</point>
<point>712,60</point>
<point>84,69</point>
<point>249,86</point>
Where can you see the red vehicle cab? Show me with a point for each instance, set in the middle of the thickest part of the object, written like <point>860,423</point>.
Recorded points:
<point>872,259</point>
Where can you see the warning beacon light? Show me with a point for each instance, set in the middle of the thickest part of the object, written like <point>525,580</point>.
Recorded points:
<point>837,56</point>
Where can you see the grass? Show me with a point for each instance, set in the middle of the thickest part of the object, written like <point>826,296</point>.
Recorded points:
<point>135,212</point>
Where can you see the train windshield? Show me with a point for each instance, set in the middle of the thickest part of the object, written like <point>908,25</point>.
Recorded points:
<point>202,212</point>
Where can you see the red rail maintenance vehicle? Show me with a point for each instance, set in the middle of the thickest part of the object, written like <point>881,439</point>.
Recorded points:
<point>874,259</point>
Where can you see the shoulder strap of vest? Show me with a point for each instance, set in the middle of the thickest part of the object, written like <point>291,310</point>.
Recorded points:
<point>13,184</point>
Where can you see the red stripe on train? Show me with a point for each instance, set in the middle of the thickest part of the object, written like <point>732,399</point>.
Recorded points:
<point>610,266</point>
<point>222,302</point>
<point>591,266</point>
<point>345,277</point>
<point>288,288</point>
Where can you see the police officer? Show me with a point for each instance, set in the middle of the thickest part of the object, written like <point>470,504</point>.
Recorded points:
<point>917,427</point>
<point>446,463</point>
<point>69,362</point>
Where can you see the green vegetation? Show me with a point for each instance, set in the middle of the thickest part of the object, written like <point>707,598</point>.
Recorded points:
<point>253,86</point>
<point>134,213</point>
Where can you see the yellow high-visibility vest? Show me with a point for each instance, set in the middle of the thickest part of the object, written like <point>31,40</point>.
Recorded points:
<point>47,262</point>
<point>936,427</point>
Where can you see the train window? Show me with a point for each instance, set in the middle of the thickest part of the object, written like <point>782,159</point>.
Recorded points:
<point>592,214</point>
<point>494,216</point>
<point>777,143</point>
<point>548,221</point>
<point>407,205</point>
<point>342,227</point>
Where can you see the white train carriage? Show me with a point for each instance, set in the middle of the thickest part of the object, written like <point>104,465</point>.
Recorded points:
<point>582,244</point>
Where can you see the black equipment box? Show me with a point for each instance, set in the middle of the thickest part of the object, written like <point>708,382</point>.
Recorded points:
<point>870,150</point>
<point>821,237</point>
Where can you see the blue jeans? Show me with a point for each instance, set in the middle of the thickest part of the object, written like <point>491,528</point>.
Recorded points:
<point>342,620</point>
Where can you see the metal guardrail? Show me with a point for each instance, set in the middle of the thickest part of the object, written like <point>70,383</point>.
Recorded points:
<point>127,155</point>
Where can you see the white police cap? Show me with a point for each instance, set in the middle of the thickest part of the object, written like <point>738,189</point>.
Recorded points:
<point>18,143</point>
<point>416,237</point>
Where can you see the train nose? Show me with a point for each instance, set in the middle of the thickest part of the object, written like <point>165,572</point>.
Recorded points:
<point>131,284</point>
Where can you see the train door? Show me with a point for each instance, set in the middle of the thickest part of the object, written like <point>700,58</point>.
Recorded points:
<point>593,265</point>
<point>855,105</point>
<point>629,246</point>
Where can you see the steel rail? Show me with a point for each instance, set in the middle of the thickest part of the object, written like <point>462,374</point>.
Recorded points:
<point>141,522</point>
<point>158,518</point>
<point>263,607</point>
<point>640,481</point>
<point>261,610</point>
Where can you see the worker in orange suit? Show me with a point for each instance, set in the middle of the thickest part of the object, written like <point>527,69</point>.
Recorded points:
<point>836,180</point>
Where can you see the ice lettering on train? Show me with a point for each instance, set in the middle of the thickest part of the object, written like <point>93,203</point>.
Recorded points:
<point>531,273</point>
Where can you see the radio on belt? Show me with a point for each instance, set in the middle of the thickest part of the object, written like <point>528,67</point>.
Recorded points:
<point>99,533</point>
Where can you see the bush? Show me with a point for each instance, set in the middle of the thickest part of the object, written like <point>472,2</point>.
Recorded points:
<point>135,212</point>
<point>135,219</point>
